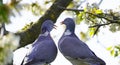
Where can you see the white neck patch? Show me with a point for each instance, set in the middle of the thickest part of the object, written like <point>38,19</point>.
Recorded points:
<point>45,34</point>
<point>67,32</point>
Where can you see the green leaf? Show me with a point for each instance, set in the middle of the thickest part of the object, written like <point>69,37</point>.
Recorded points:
<point>109,48</point>
<point>116,53</point>
<point>4,14</point>
<point>1,2</point>
<point>98,11</point>
<point>112,52</point>
<point>80,17</point>
<point>117,47</point>
<point>47,2</point>
<point>112,28</point>
<point>71,5</point>
<point>91,31</point>
<point>83,36</point>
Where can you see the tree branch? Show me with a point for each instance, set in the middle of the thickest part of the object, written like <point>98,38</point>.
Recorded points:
<point>99,25</point>
<point>100,2</point>
<point>104,17</point>
<point>97,15</point>
<point>52,13</point>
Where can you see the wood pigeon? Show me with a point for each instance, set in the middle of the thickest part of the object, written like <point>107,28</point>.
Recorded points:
<point>76,51</point>
<point>43,50</point>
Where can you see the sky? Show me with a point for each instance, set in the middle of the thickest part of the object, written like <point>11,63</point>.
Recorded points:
<point>97,43</point>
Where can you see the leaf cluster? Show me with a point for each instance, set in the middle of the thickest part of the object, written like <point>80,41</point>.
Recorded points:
<point>114,50</point>
<point>8,43</point>
<point>6,10</point>
<point>96,18</point>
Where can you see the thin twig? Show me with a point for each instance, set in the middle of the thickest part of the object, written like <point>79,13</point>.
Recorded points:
<point>80,10</point>
<point>96,30</point>
<point>104,17</point>
<point>98,25</point>
<point>100,2</point>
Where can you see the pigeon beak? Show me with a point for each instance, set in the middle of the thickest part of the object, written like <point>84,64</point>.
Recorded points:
<point>61,23</point>
<point>54,26</point>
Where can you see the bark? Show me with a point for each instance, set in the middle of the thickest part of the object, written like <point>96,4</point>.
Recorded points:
<point>28,36</point>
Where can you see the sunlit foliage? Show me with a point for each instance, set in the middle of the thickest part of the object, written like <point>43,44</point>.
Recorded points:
<point>8,43</point>
<point>114,50</point>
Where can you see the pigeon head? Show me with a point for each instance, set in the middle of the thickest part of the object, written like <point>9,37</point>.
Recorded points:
<point>70,24</point>
<point>47,26</point>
